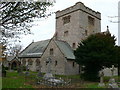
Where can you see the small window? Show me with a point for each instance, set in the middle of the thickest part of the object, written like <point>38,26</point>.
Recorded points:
<point>73,64</point>
<point>66,33</point>
<point>74,45</point>
<point>46,63</point>
<point>37,62</point>
<point>91,21</point>
<point>55,63</point>
<point>66,19</point>
<point>86,33</point>
<point>51,51</point>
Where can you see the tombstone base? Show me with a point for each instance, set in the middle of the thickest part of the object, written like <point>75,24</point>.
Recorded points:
<point>101,84</point>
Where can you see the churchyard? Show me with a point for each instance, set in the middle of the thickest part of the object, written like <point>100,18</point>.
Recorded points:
<point>14,79</point>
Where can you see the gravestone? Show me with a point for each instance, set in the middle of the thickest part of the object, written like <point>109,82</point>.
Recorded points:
<point>101,74</point>
<point>19,70</point>
<point>112,83</point>
<point>48,75</point>
<point>39,72</point>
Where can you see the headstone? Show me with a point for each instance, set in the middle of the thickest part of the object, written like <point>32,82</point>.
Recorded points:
<point>39,72</point>
<point>112,70</point>
<point>48,74</point>
<point>112,83</point>
<point>101,74</point>
<point>19,70</point>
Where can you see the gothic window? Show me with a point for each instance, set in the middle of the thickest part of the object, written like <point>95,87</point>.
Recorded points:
<point>66,33</point>
<point>74,45</point>
<point>66,19</point>
<point>56,63</point>
<point>37,62</point>
<point>51,51</point>
<point>91,21</point>
<point>30,62</point>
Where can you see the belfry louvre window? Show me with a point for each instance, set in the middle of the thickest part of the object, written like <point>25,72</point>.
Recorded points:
<point>91,21</point>
<point>51,51</point>
<point>66,19</point>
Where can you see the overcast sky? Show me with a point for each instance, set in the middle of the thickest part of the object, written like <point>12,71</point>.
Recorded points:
<point>45,28</point>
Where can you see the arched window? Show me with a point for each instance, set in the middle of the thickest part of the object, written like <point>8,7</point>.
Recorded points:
<point>30,62</point>
<point>37,62</point>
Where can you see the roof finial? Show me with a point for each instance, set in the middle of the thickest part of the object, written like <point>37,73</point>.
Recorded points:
<point>108,29</point>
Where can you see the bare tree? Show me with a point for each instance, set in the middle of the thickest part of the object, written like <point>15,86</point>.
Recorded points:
<point>16,17</point>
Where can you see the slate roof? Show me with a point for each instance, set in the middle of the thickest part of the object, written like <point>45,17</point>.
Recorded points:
<point>36,49</point>
<point>66,49</point>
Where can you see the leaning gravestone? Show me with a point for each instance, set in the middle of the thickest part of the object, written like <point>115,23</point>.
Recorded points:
<point>101,74</point>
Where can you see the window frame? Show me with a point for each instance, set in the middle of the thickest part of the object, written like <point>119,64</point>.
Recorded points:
<point>51,51</point>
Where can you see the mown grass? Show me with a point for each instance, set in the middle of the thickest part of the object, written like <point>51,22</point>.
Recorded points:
<point>15,80</point>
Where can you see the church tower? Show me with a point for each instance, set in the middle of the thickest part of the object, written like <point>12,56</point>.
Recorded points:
<point>76,23</point>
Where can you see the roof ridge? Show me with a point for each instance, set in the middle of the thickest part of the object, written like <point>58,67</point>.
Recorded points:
<point>41,40</point>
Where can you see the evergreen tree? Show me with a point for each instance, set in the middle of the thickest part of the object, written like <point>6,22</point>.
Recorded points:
<point>96,51</point>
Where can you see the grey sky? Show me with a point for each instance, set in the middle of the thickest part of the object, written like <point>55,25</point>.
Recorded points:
<point>45,28</point>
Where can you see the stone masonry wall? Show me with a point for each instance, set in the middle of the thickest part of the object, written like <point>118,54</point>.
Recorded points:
<point>78,24</point>
<point>57,56</point>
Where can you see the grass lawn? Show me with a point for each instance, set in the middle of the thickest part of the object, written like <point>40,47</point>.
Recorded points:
<point>15,80</point>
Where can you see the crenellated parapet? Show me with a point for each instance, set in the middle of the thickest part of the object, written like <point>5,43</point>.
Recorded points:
<point>76,7</point>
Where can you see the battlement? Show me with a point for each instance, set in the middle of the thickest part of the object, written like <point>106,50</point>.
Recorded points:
<point>76,7</point>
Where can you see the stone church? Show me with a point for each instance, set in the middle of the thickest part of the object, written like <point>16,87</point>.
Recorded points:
<point>73,24</point>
